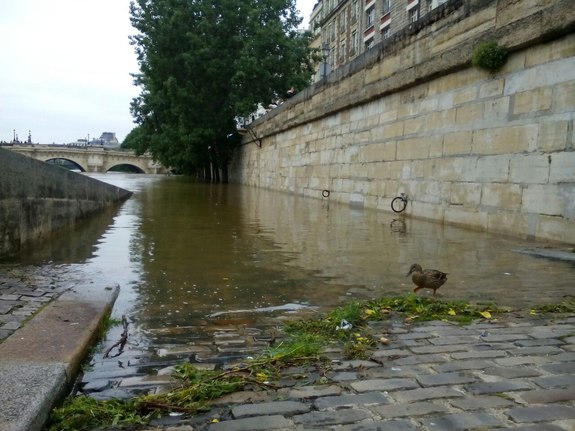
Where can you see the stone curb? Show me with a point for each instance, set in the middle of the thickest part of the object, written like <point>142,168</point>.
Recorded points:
<point>40,361</point>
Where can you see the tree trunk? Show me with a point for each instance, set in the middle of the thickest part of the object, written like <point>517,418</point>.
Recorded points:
<point>208,172</point>
<point>216,171</point>
<point>215,162</point>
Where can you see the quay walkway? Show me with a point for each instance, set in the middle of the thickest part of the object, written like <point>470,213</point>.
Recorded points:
<point>516,372</point>
<point>47,326</point>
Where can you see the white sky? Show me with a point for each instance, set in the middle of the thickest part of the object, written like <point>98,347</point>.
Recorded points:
<point>66,67</point>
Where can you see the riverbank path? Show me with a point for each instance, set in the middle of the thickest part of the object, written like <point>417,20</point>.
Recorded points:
<point>515,372</point>
<point>47,326</point>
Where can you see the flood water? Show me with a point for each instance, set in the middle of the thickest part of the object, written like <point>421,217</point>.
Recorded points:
<point>191,259</point>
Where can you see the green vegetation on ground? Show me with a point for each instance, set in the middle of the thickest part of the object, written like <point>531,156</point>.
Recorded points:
<point>565,306</point>
<point>303,343</point>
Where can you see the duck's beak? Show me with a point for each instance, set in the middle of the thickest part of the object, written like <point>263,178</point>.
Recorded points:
<point>409,273</point>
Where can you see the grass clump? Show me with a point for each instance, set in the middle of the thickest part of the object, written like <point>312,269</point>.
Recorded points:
<point>197,388</point>
<point>192,395</point>
<point>83,413</point>
<point>489,55</point>
<point>565,306</point>
<point>419,308</point>
<point>356,337</point>
<point>415,308</point>
<point>108,323</point>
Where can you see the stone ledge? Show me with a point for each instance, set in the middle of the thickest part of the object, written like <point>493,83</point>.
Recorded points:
<point>40,361</point>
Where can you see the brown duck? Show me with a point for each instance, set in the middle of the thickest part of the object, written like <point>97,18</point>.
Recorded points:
<point>426,278</point>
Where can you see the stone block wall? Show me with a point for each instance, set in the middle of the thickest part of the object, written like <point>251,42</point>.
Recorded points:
<point>37,199</point>
<point>494,152</point>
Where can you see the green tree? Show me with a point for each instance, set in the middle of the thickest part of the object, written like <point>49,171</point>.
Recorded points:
<point>204,62</point>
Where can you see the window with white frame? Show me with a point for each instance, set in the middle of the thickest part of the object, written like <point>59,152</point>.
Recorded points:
<point>354,43</point>
<point>386,32</point>
<point>386,6</point>
<point>413,14</point>
<point>370,17</point>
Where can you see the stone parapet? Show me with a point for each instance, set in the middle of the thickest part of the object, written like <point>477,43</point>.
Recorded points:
<point>37,199</point>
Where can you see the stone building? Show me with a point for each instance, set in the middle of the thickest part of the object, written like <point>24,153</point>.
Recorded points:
<point>109,140</point>
<point>106,140</point>
<point>351,27</point>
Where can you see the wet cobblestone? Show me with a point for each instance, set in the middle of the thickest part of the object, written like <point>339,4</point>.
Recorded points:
<point>509,387</point>
<point>514,373</point>
<point>25,290</point>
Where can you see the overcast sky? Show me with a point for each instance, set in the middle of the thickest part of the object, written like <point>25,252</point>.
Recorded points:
<point>66,67</point>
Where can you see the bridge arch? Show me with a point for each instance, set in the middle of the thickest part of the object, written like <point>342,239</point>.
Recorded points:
<point>91,159</point>
<point>65,163</point>
<point>127,167</point>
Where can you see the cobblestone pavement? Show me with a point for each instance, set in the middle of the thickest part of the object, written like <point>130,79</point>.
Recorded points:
<point>515,373</point>
<point>24,290</point>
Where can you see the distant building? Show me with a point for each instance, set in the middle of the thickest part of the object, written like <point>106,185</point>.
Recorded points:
<point>79,143</point>
<point>351,27</point>
<point>109,140</point>
<point>106,140</point>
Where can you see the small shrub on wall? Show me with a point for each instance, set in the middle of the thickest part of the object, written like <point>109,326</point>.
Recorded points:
<point>489,56</point>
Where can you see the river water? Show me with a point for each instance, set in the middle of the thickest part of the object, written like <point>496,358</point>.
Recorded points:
<point>193,260</point>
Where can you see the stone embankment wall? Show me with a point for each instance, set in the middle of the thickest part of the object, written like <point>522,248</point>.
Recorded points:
<point>37,198</point>
<point>486,151</point>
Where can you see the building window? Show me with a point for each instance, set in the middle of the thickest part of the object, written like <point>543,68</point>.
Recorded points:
<point>354,10</point>
<point>414,14</point>
<point>386,32</point>
<point>386,6</point>
<point>342,52</point>
<point>354,43</point>
<point>370,17</point>
<point>369,44</point>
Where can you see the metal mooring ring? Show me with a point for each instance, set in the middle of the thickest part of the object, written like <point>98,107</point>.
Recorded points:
<point>325,193</point>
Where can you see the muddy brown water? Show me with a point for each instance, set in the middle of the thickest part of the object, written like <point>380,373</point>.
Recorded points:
<point>198,263</point>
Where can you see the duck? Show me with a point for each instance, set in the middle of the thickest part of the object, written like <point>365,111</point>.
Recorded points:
<point>426,278</point>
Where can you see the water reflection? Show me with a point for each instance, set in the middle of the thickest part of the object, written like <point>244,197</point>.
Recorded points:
<point>373,251</point>
<point>183,251</point>
<point>194,259</point>
<point>71,244</point>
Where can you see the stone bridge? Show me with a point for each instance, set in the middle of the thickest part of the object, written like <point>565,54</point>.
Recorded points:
<point>90,159</point>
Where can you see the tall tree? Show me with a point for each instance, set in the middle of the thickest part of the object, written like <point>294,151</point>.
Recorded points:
<point>204,62</point>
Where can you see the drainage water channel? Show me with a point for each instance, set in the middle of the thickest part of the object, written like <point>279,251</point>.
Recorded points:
<point>205,270</point>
